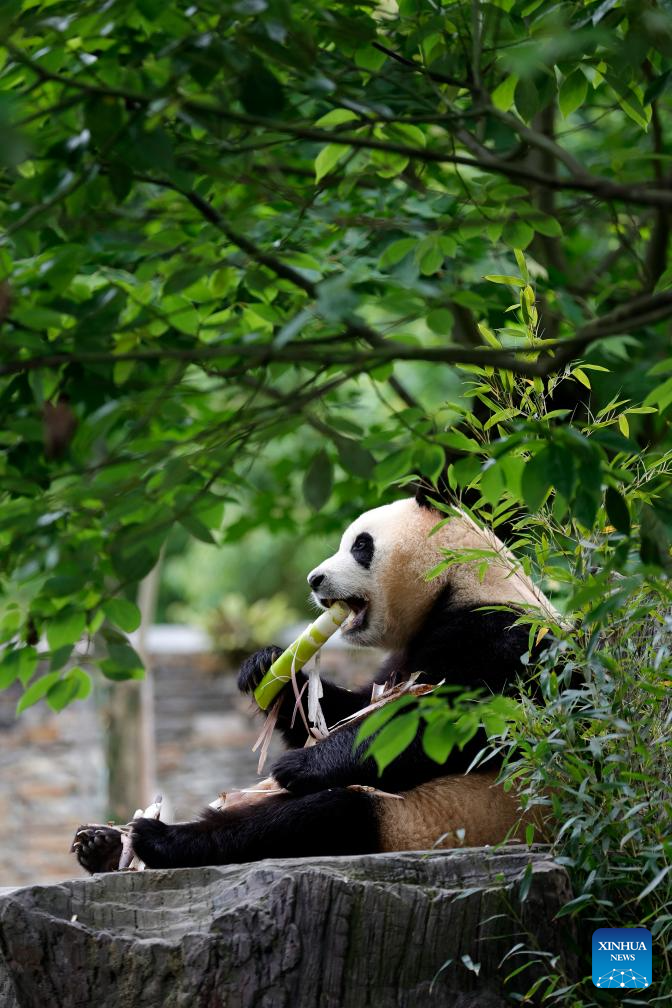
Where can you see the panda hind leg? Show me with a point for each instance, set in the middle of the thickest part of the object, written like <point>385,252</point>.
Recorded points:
<point>97,848</point>
<point>328,823</point>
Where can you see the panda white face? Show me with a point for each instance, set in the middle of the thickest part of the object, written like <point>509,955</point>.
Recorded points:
<point>381,565</point>
<point>379,571</point>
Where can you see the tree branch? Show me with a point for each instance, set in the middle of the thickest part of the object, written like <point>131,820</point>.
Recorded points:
<point>291,353</point>
<point>357,329</point>
<point>596,185</point>
<point>644,310</point>
<point>439,78</point>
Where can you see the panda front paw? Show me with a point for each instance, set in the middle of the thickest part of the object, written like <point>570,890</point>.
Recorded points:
<point>254,668</point>
<point>301,771</point>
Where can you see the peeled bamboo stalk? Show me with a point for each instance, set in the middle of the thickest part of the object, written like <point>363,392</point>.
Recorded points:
<point>300,652</point>
<point>152,811</point>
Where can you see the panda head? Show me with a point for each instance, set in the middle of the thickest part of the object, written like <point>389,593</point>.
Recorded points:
<point>381,565</point>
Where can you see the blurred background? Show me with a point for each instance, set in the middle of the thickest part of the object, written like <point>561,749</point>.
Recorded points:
<point>184,731</point>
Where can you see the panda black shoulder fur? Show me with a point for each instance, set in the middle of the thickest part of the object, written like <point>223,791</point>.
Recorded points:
<point>431,627</point>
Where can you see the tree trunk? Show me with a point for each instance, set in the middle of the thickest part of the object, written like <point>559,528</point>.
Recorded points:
<point>305,933</point>
<point>128,715</point>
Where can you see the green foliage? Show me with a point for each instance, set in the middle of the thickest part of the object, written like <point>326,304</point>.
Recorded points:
<point>239,627</point>
<point>448,718</point>
<point>598,757</point>
<point>590,738</point>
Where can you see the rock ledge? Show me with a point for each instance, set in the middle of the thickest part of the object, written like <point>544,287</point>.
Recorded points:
<point>322,933</point>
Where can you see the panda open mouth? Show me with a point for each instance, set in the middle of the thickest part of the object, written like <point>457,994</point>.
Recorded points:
<point>358,617</point>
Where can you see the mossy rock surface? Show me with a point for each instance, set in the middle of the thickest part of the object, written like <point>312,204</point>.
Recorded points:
<point>324,933</point>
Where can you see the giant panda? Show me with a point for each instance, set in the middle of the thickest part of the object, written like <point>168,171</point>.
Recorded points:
<point>438,628</point>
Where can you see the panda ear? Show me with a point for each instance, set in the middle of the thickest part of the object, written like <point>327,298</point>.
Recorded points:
<point>422,493</point>
<point>425,493</point>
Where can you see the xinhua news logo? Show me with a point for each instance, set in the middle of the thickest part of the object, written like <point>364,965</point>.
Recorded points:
<point>622,957</point>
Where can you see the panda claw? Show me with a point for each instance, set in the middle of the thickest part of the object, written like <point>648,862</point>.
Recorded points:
<point>254,668</point>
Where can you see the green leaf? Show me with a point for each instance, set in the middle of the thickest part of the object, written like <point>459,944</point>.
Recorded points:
<point>387,164</point>
<point>517,234</point>
<point>588,495</point>
<point>492,483</point>
<point>123,662</point>
<point>537,479</point>
<point>336,117</point>
<point>196,527</point>
<point>134,552</point>
<point>369,58</point>
<point>335,298</point>
<point>62,692</point>
<point>83,681</point>
<point>151,8</point>
<point>124,656</point>
<point>522,264</point>
<point>37,690</point>
<point>396,464</point>
<point>548,226</point>
<point>318,480</point>
<point>527,101</point>
<point>17,663</point>
<point>440,321</point>
<point>328,158</point>
<point>429,256</point>
<point>661,396</point>
<point>488,336</point>
<point>122,613</point>
<point>505,706</point>
<point>502,96</point>
<point>630,102</point>
<point>406,133</point>
<point>396,251</point>
<point>504,279</point>
<point>573,91</point>
<point>60,657</point>
<point>65,629</point>
<point>374,721</point>
<point>116,674</point>
<point>439,739</point>
<point>617,510</point>
<point>429,460</point>
<point>494,724</point>
<point>396,736</point>
<point>458,440</point>
<point>354,458</point>
<point>655,882</point>
<point>183,278</point>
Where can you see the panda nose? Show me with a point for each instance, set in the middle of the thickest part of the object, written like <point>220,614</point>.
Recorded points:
<point>315,580</point>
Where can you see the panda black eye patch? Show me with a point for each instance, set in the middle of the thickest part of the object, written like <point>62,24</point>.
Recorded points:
<point>362,549</point>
